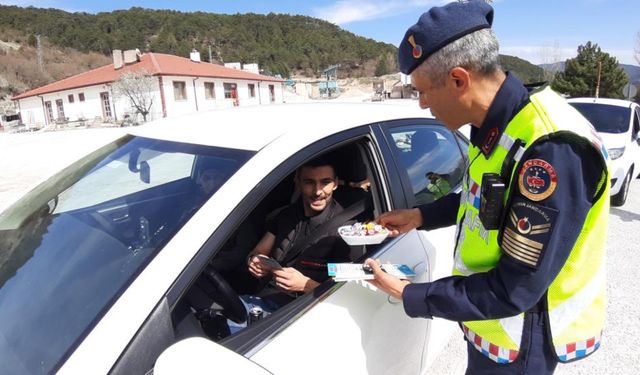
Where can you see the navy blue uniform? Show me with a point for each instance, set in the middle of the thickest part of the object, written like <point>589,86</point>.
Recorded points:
<point>512,287</point>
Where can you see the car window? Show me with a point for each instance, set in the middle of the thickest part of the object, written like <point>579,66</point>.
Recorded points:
<point>123,179</point>
<point>432,159</point>
<point>72,245</point>
<point>605,118</point>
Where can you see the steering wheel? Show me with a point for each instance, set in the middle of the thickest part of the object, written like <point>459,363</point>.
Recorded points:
<point>225,296</point>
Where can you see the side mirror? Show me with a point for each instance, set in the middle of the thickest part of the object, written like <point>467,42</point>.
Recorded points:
<point>145,172</point>
<point>133,160</point>
<point>197,355</point>
<point>143,169</point>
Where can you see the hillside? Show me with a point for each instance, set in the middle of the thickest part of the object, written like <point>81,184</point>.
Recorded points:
<point>20,71</point>
<point>526,71</point>
<point>280,43</point>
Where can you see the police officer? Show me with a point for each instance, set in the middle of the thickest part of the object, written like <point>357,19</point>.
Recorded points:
<point>528,284</point>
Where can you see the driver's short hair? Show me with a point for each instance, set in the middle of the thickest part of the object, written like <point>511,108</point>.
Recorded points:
<point>319,161</point>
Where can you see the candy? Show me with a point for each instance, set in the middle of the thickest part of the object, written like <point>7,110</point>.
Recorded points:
<point>360,229</point>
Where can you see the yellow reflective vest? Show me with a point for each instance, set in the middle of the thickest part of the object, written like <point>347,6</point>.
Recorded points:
<point>576,298</point>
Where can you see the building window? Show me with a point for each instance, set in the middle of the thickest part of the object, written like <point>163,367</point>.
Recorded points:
<point>106,106</point>
<point>81,97</point>
<point>272,93</point>
<point>230,90</point>
<point>70,98</point>
<point>179,90</point>
<point>252,90</point>
<point>49,108</point>
<point>60,108</point>
<point>209,90</point>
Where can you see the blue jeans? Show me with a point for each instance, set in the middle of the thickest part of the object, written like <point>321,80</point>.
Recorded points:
<point>268,307</point>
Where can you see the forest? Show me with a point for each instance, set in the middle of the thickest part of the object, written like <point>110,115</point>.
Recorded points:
<point>282,44</point>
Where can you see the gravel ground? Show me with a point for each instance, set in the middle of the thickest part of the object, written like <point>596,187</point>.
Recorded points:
<point>29,157</point>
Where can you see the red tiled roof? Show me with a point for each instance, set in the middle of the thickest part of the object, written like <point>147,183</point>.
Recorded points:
<point>152,63</point>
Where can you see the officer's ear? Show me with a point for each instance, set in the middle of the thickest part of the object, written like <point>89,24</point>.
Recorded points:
<point>460,78</point>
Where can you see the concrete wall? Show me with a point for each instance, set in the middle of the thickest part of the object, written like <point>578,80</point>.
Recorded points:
<point>33,111</point>
<point>196,97</point>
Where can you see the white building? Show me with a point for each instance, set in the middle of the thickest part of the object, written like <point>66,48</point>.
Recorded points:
<point>183,86</point>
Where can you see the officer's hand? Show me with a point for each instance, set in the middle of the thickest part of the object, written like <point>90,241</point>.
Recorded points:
<point>382,280</point>
<point>400,221</point>
<point>292,280</point>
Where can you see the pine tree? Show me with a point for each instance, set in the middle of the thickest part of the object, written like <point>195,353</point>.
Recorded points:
<point>580,75</point>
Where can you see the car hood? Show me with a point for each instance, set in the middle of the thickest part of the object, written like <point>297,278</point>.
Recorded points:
<point>612,140</point>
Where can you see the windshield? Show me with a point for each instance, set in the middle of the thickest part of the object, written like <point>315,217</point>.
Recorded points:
<point>605,118</point>
<point>71,246</point>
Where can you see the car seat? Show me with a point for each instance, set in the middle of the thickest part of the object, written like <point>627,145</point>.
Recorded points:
<point>350,168</point>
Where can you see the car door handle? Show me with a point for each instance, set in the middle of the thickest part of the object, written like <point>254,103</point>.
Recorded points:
<point>121,218</point>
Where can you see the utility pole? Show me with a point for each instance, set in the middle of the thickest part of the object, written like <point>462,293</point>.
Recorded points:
<point>598,80</point>
<point>39,53</point>
<point>210,58</point>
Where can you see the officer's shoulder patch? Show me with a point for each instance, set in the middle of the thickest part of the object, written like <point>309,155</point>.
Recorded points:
<point>527,231</point>
<point>537,179</point>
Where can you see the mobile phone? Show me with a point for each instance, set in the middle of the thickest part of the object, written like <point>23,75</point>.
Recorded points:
<point>269,262</point>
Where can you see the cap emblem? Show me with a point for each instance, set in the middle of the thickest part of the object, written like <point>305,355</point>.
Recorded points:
<point>417,49</point>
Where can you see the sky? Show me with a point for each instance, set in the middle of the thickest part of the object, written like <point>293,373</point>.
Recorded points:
<point>540,31</point>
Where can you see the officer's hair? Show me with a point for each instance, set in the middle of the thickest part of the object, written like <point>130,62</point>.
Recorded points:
<point>477,52</point>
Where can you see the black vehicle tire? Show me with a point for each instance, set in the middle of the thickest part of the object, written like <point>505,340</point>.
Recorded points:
<point>619,199</point>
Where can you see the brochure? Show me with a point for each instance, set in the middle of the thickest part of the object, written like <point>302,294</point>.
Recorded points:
<point>357,271</point>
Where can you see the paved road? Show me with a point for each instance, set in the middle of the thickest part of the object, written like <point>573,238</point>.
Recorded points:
<point>27,158</point>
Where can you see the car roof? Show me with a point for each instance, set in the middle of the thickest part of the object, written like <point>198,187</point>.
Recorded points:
<point>608,101</point>
<point>252,128</point>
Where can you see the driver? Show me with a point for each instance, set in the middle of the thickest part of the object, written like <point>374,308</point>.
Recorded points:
<point>287,240</point>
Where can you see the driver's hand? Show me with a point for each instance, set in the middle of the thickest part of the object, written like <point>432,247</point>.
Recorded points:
<point>256,267</point>
<point>292,280</point>
<point>400,221</point>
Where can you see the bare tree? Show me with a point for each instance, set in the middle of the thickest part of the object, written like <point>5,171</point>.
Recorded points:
<point>139,87</point>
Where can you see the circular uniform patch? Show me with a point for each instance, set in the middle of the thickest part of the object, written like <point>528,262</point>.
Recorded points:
<point>537,179</point>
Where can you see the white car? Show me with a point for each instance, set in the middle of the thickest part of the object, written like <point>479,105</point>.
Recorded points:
<point>618,124</point>
<point>116,265</point>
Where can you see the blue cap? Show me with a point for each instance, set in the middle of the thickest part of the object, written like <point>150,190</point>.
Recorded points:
<point>439,27</point>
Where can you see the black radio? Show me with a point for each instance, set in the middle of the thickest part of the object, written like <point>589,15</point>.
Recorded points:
<point>491,200</point>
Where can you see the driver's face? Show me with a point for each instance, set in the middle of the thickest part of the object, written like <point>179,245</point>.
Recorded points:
<point>316,186</point>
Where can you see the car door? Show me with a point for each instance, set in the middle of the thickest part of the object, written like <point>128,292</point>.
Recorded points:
<point>356,329</point>
<point>369,332</point>
<point>635,140</point>
<point>442,153</point>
